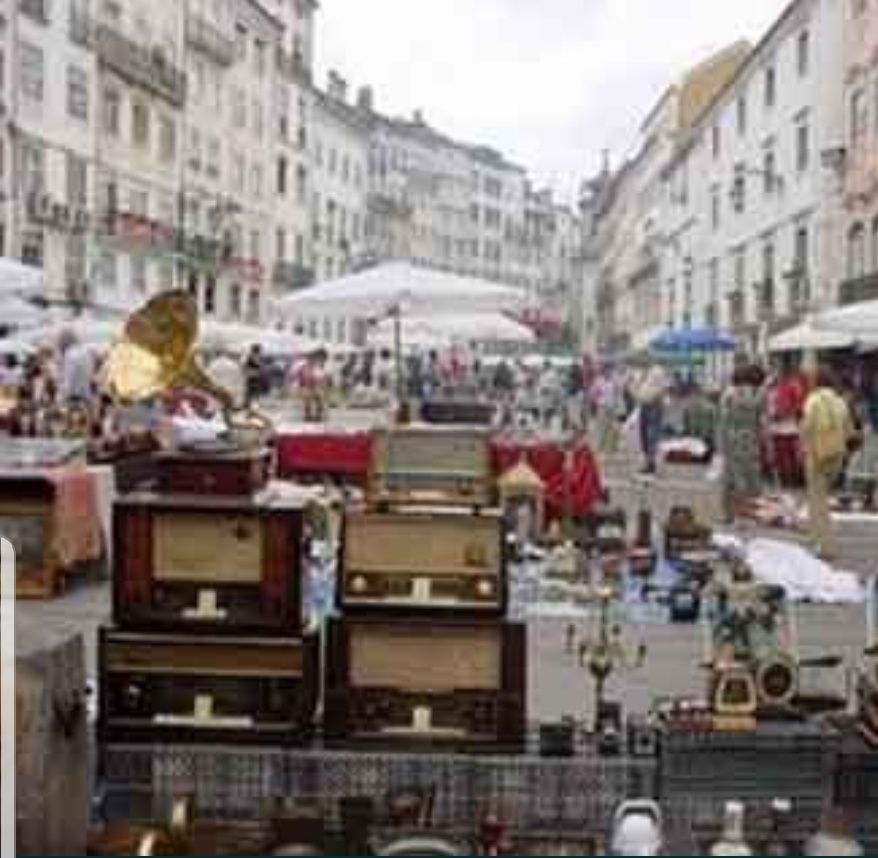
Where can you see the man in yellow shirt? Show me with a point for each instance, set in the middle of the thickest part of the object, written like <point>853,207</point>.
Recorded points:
<point>826,429</point>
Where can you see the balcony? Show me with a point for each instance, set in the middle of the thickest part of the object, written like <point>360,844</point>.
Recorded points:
<point>148,68</point>
<point>292,66</point>
<point>856,289</point>
<point>205,37</point>
<point>37,10</point>
<point>290,276</point>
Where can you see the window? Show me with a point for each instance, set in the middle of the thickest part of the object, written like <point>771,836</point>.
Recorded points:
<point>301,184</point>
<point>239,109</point>
<point>138,275</point>
<point>240,41</point>
<point>282,169</point>
<point>799,283</point>
<point>256,181</point>
<point>858,117</point>
<point>77,181</point>
<point>209,295</point>
<point>253,306</point>
<point>714,207</point>
<point>803,147</point>
<point>803,52</point>
<point>109,269</point>
<point>742,114</point>
<point>238,172</point>
<point>333,161</point>
<point>768,172</point>
<point>77,92</point>
<point>235,300</point>
<point>739,189</point>
<point>766,299</point>
<point>31,68</point>
<point>770,86</point>
<point>259,57</point>
<point>255,244</point>
<point>213,157</point>
<point>112,11</point>
<point>300,249</point>
<point>74,260</point>
<point>112,111</point>
<point>33,158</point>
<point>715,141</point>
<point>281,244</point>
<point>140,124</point>
<point>194,149</point>
<point>167,139</point>
<point>78,22</point>
<point>345,168</point>
<point>857,251</point>
<point>258,120</point>
<point>32,247</point>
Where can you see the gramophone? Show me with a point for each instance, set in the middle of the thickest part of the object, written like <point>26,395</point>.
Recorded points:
<point>156,355</point>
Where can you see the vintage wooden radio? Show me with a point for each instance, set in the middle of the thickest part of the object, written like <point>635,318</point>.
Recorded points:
<point>777,680</point>
<point>215,565</point>
<point>172,688</point>
<point>426,683</point>
<point>214,470</point>
<point>423,561</point>
<point>431,466</point>
<point>734,698</point>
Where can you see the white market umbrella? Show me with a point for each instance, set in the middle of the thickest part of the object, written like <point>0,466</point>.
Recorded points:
<point>807,337</point>
<point>19,279</point>
<point>860,319</point>
<point>97,332</point>
<point>445,330</point>
<point>375,291</point>
<point>16,312</point>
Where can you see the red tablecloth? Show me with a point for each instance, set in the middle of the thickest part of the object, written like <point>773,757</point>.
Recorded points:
<point>341,454</point>
<point>583,481</point>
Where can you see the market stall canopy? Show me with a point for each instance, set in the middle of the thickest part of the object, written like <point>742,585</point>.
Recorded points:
<point>860,319</point>
<point>96,332</point>
<point>376,291</point>
<point>807,336</point>
<point>16,312</point>
<point>19,279</point>
<point>693,340</point>
<point>238,337</point>
<point>446,330</point>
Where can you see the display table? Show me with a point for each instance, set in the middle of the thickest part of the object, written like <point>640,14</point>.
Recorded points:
<point>331,453</point>
<point>576,488</point>
<point>51,514</point>
<point>344,455</point>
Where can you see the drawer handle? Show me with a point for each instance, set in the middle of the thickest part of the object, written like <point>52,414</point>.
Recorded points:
<point>202,717</point>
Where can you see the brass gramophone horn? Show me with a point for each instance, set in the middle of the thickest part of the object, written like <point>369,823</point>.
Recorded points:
<point>156,354</point>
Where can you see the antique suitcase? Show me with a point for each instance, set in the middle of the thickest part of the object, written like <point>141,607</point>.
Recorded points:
<point>431,466</point>
<point>425,683</point>
<point>174,688</point>
<point>188,563</point>
<point>420,561</point>
<point>213,470</point>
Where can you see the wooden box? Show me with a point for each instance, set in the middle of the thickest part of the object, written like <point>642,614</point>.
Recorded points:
<point>431,466</point>
<point>174,688</point>
<point>207,565</point>
<point>421,562</point>
<point>423,683</point>
<point>217,472</point>
<point>27,520</point>
<point>51,742</point>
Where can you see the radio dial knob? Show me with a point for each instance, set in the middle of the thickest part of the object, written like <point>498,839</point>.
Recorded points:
<point>485,588</point>
<point>359,584</point>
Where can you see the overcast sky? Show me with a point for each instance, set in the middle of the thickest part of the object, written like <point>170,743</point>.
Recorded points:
<point>551,83</point>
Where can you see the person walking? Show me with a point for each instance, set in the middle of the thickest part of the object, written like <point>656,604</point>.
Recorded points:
<point>651,395</point>
<point>609,406</point>
<point>740,435</point>
<point>827,428</point>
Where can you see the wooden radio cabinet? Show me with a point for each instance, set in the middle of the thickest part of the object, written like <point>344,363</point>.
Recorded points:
<point>412,466</point>
<point>224,565</point>
<point>425,683</point>
<point>423,561</point>
<point>174,688</point>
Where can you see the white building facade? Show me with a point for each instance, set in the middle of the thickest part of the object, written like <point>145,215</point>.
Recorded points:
<point>751,216</point>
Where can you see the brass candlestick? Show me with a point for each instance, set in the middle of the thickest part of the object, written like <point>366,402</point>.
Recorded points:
<point>606,652</point>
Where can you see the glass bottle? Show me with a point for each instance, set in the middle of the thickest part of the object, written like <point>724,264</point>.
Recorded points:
<point>731,841</point>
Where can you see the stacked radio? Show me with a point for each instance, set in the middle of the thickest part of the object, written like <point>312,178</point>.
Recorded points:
<point>423,654</point>
<point>207,642</point>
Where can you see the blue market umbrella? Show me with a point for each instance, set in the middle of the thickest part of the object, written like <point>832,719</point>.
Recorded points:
<point>689,340</point>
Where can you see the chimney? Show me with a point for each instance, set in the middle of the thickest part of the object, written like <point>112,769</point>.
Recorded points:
<point>337,86</point>
<point>365,99</point>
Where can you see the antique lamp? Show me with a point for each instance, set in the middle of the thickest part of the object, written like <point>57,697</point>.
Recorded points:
<point>522,495</point>
<point>606,652</point>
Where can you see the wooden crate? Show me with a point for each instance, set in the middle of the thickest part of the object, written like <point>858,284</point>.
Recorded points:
<point>52,753</point>
<point>445,562</point>
<point>214,565</point>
